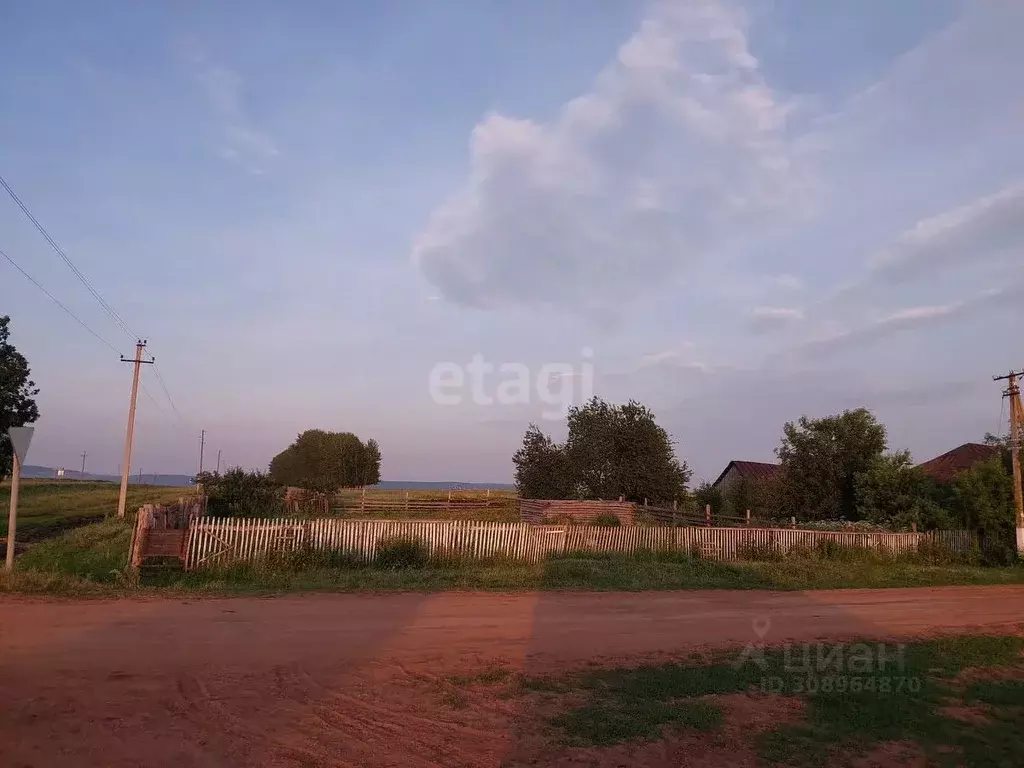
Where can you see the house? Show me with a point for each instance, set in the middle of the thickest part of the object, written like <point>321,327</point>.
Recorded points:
<point>943,467</point>
<point>750,471</point>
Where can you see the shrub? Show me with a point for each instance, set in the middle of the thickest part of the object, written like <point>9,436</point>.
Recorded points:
<point>758,552</point>
<point>607,520</point>
<point>238,493</point>
<point>402,552</point>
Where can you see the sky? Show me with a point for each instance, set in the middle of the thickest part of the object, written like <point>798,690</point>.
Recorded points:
<point>736,213</point>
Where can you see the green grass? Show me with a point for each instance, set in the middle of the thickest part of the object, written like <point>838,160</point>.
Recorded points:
<point>609,721</point>
<point>893,701</point>
<point>97,554</point>
<point>46,507</point>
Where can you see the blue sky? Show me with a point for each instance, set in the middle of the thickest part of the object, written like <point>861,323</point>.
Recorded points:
<point>746,211</point>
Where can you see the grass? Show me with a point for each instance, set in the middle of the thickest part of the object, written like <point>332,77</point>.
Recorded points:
<point>47,507</point>
<point>92,557</point>
<point>906,698</point>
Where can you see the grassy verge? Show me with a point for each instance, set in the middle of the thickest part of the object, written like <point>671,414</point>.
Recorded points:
<point>914,695</point>
<point>46,507</point>
<point>91,559</point>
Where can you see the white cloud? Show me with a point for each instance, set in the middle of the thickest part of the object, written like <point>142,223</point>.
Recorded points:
<point>679,145</point>
<point>1011,294</point>
<point>787,282</point>
<point>990,227</point>
<point>771,318</point>
<point>242,142</point>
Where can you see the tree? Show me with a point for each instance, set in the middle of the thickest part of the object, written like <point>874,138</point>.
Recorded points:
<point>894,492</point>
<point>17,393</point>
<point>821,459</point>
<point>371,463</point>
<point>762,496</point>
<point>323,462</point>
<point>239,493</point>
<point>542,471</point>
<point>984,502</point>
<point>611,451</point>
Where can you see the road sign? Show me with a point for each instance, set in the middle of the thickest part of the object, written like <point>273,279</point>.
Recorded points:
<point>21,437</point>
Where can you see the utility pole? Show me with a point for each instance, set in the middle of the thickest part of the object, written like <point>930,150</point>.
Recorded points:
<point>202,445</point>
<point>1012,392</point>
<point>218,461</point>
<point>82,475</point>
<point>129,432</point>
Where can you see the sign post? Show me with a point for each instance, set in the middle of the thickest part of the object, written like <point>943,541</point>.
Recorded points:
<point>20,439</point>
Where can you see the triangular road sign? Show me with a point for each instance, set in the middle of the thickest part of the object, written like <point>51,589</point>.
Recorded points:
<point>20,439</point>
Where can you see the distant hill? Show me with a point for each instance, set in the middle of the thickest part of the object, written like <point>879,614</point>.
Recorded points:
<point>30,470</point>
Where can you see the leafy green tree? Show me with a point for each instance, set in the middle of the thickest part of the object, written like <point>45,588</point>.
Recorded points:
<point>761,496</point>
<point>323,462</point>
<point>610,451</point>
<point>707,494</point>
<point>371,463</point>
<point>821,459</point>
<point>238,493</point>
<point>984,501</point>
<point>894,492</point>
<point>17,394</point>
<point>542,471</point>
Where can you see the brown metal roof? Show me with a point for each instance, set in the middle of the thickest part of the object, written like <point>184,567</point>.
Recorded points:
<point>943,467</point>
<point>751,470</point>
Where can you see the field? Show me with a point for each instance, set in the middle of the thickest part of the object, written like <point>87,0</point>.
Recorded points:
<point>46,507</point>
<point>555,678</point>
<point>374,504</point>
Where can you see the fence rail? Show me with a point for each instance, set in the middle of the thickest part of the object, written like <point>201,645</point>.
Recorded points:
<point>217,541</point>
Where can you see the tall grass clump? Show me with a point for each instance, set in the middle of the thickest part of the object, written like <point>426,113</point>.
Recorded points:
<point>402,552</point>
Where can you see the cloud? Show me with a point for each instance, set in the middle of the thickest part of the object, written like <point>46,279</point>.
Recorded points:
<point>242,142</point>
<point>913,318</point>
<point>787,282</point>
<point>986,228</point>
<point>679,144</point>
<point>771,318</point>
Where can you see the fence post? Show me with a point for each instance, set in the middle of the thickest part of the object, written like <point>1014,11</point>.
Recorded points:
<point>913,527</point>
<point>707,515</point>
<point>748,518</point>
<point>362,502</point>
<point>792,523</point>
<point>622,499</point>
<point>449,499</point>
<point>645,501</point>
<point>407,502</point>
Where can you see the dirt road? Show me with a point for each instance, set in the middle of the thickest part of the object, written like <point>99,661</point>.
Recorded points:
<point>360,679</point>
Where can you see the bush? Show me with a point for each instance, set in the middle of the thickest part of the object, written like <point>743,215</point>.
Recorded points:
<point>238,493</point>
<point>758,552</point>
<point>402,552</point>
<point>607,520</point>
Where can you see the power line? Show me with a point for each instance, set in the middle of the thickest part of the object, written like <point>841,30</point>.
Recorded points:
<point>151,398</point>
<point>56,301</point>
<point>67,260</point>
<point>163,385</point>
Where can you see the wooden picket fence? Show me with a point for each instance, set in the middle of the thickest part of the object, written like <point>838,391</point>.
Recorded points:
<point>218,541</point>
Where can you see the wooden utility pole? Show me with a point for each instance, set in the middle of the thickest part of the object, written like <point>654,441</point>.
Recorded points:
<point>130,431</point>
<point>202,445</point>
<point>1012,392</point>
<point>81,476</point>
<point>218,461</point>
<point>12,516</point>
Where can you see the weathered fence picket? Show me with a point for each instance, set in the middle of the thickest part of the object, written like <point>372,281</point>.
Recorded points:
<point>215,541</point>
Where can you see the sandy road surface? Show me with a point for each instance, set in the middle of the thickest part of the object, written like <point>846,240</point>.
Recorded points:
<point>354,679</point>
